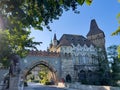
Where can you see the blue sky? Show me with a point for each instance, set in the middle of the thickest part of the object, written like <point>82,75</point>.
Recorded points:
<point>103,11</point>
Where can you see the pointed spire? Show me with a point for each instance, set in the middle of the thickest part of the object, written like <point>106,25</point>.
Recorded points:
<point>51,41</point>
<point>94,29</point>
<point>93,25</point>
<point>55,38</point>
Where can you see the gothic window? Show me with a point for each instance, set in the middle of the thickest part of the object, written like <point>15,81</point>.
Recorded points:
<point>72,39</point>
<point>89,60</point>
<point>65,54</point>
<point>64,48</point>
<point>84,60</point>
<point>89,73</point>
<point>93,59</point>
<point>68,78</point>
<point>90,76</point>
<point>81,75</point>
<point>80,59</point>
<point>96,61</point>
<point>69,54</point>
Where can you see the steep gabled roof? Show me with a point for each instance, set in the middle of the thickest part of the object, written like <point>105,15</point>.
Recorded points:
<point>68,39</point>
<point>94,29</point>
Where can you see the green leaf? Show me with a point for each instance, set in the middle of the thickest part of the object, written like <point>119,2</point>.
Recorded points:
<point>118,51</point>
<point>116,32</point>
<point>81,2</point>
<point>61,2</point>
<point>118,16</point>
<point>118,0</point>
<point>88,2</point>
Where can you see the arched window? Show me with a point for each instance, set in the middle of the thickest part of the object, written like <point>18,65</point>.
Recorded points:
<point>69,54</point>
<point>89,73</point>
<point>68,78</point>
<point>86,59</point>
<point>65,54</point>
<point>80,59</point>
<point>81,75</point>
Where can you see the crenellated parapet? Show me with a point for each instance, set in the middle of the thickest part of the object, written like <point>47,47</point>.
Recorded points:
<point>44,53</point>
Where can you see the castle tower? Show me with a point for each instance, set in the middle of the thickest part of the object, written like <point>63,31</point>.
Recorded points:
<point>55,41</point>
<point>96,35</point>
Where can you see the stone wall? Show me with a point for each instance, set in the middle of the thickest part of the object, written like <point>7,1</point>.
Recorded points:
<point>67,67</point>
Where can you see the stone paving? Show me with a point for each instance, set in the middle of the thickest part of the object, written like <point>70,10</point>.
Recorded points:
<point>38,86</point>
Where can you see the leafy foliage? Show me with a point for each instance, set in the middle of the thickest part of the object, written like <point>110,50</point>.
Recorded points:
<point>37,13</point>
<point>19,15</point>
<point>43,74</point>
<point>103,68</point>
<point>4,48</point>
<point>112,52</point>
<point>118,51</point>
<point>118,30</point>
<point>14,41</point>
<point>115,65</point>
<point>116,71</point>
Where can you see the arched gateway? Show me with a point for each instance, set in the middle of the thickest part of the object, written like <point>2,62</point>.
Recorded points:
<point>48,59</point>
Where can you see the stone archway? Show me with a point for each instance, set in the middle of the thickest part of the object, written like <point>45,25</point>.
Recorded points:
<point>44,63</point>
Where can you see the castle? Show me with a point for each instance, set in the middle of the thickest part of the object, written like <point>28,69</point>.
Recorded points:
<point>79,55</point>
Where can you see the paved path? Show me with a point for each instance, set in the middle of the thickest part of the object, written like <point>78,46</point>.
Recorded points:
<point>36,86</point>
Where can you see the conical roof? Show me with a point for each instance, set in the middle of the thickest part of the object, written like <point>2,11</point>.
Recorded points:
<point>55,38</point>
<point>94,29</point>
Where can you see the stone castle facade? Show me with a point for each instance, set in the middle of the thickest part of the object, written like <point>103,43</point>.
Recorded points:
<point>79,55</point>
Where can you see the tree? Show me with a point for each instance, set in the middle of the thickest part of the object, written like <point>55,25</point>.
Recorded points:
<point>112,52</point>
<point>115,64</point>
<point>104,71</point>
<point>118,18</point>
<point>117,32</point>
<point>4,48</point>
<point>17,16</point>
<point>43,74</point>
<point>37,13</point>
<point>14,42</point>
<point>118,51</point>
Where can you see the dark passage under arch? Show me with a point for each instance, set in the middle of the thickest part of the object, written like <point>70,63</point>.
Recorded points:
<point>46,64</point>
<point>68,78</point>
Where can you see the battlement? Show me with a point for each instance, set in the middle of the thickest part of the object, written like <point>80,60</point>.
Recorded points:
<point>44,53</point>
